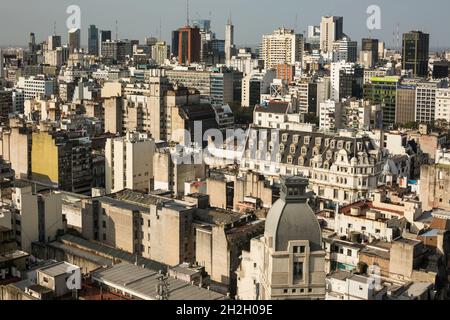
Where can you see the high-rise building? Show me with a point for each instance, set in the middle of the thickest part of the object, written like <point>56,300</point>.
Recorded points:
<point>345,50</point>
<point>346,80</point>
<point>189,45</point>
<point>93,43</point>
<point>371,45</point>
<point>229,42</point>
<point>405,110</point>
<point>443,104</point>
<point>105,35</point>
<point>383,91</point>
<point>160,52</point>
<point>426,100</point>
<point>331,30</point>
<point>115,51</point>
<point>74,40</point>
<point>415,54</point>
<point>62,159</point>
<point>53,42</point>
<point>281,47</point>
<point>129,162</point>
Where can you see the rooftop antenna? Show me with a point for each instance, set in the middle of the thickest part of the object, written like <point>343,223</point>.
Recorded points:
<point>54,28</point>
<point>296,22</point>
<point>117,30</point>
<point>160,29</point>
<point>187,13</point>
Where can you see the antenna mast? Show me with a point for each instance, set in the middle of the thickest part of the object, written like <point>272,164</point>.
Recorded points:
<point>187,13</point>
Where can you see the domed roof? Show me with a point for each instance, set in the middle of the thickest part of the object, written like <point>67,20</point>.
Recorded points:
<point>291,218</point>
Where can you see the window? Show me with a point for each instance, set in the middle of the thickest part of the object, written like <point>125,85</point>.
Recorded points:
<point>104,224</point>
<point>104,237</point>
<point>298,271</point>
<point>285,290</point>
<point>45,279</point>
<point>377,230</point>
<point>299,249</point>
<point>349,252</point>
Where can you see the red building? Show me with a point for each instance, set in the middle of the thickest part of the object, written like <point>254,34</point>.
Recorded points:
<point>189,43</point>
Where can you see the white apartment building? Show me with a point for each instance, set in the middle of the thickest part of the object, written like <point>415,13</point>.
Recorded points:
<point>245,62</point>
<point>426,100</point>
<point>330,115</point>
<point>337,70</point>
<point>443,104</point>
<point>256,83</point>
<point>36,87</point>
<point>345,50</point>
<point>282,47</point>
<point>129,162</point>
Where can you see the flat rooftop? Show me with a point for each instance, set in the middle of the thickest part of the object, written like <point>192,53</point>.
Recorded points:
<point>142,284</point>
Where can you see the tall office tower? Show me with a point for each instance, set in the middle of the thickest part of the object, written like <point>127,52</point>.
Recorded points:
<point>405,109</point>
<point>53,42</point>
<point>282,47</point>
<point>347,80</point>
<point>32,47</point>
<point>175,42</point>
<point>229,42</point>
<point>415,54</point>
<point>383,91</point>
<point>345,50</point>
<point>93,48</point>
<point>189,44</point>
<point>331,30</point>
<point>371,46</point>
<point>74,40</point>
<point>32,43</point>
<point>105,35</point>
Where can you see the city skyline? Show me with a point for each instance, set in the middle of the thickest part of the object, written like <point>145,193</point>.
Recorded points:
<point>245,16</point>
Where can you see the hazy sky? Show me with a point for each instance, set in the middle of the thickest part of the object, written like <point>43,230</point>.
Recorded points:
<point>252,18</point>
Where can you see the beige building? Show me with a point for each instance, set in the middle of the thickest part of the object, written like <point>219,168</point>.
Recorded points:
<point>129,162</point>
<point>113,115</point>
<point>220,237</point>
<point>288,262</point>
<point>36,216</point>
<point>171,176</point>
<point>282,47</point>
<point>331,30</point>
<point>16,148</point>
<point>152,227</point>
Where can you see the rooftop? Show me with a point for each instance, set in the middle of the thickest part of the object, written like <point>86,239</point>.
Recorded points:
<point>142,284</point>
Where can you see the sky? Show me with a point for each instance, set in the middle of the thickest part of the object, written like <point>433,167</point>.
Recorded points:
<point>138,19</point>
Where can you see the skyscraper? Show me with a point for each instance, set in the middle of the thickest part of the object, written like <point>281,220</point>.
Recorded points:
<point>93,40</point>
<point>331,30</point>
<point>283,46</point>
<point>371,45</point>
<point>74,40</point>
<point>189,45</point>
<point>105,35</point>
<point>229,42</point>
<point>54,42</point>
<point>415,54</point>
